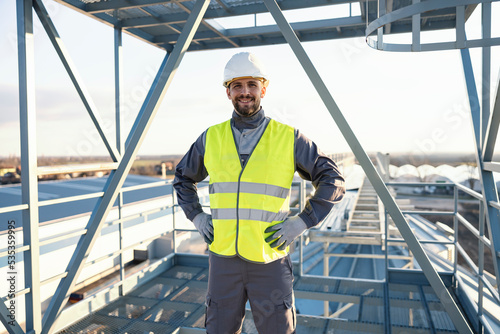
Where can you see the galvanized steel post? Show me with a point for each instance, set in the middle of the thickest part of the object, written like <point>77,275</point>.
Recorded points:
<point>486,69</point>
<point>29,182</point>
<point>455,229</point>
<point>480,266</point>
<point>119,142</point>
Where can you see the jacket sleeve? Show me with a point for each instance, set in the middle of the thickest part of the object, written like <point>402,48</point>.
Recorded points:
<point>329,184</point>
<point>189,171</point>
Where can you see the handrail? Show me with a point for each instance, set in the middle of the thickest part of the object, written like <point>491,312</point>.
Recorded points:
<point>70,199</point>
<point>469,191</point>
<point>477,270</point>
<point>78,168</point>
<point>423,213</point>
<point>473,266</point>
<point>420,184</point>
<point>473,230</point>
<point>13,208</point>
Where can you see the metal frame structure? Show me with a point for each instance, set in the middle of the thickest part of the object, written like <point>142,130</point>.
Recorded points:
<point>177,31</point>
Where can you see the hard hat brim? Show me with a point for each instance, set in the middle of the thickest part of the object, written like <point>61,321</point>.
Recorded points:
<point>264,81</point>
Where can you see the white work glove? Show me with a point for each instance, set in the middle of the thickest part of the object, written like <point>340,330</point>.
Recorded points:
<point>286,232</point>
<point>203,223</point>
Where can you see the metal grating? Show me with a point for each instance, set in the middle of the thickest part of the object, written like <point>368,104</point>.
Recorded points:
<point>404,291</point>
<point>203,276</point>
<point>347,287</point>
<point>172,313</point>
<point>408,316</point>
<point>176,299</point>
<point>182,272</point>
<point>158,288</point>
<point>440,318</point>
<point>372,310</point>
<point>144,327</point>
<point>128,307</point>
<point>96,324</point>
<point>192,292</point>
<point>350,327</point>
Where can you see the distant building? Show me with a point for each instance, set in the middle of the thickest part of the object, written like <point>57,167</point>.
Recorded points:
<point>166,167</point>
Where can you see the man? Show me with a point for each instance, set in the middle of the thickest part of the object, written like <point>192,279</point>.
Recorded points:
<point>251,160</point>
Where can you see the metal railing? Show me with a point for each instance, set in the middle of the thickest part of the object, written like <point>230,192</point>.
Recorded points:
<point>57,238</point>
<point>478,233</point>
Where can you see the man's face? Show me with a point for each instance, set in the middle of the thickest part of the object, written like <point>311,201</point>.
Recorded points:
<point>245,95</point>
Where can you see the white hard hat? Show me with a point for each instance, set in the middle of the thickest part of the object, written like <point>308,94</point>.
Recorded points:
<point>244,65</point>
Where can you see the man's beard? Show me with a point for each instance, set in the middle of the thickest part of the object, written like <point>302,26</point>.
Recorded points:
<point>247,110</point>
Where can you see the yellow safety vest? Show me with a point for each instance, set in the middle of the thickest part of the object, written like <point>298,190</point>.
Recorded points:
<point>245,201</point>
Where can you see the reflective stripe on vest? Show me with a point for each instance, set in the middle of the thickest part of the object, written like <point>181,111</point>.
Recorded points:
<point>244,202</point>
<point>251,188</point>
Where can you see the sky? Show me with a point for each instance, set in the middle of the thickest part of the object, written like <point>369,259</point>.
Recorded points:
<point>395,102</point>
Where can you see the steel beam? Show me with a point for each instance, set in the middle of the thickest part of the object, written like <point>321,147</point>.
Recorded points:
<point>491,166</point>
<point>256,8</point>
<point>118,76</point>
<point>326,24</point>
<point>489,188</point>
<point>12,326</point>
<point>473,97</point>
<point>119,142</point>
<point>115,181</point>
<point>224,5</point>
<point>460,27</point>
<point>29,183</point>
<point>486,69</point>
<point>378,184</point>
<point>105,6</point>
<point>214,29</point>
<point>493,127</point>
<point>73,74</point>
<point>415,29</point>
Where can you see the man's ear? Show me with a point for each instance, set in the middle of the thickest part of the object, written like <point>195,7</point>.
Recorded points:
<point>228,94</point>
<point>263,91</point>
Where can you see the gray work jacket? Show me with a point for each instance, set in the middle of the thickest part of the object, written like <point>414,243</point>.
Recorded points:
<point>310,163</point>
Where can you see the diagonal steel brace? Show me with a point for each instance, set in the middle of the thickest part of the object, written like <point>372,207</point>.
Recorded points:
<point>73,74</point>
<point>11,325</point>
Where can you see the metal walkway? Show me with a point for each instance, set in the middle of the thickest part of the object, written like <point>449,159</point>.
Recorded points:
<point>175,299</point>
<point>366,214</point>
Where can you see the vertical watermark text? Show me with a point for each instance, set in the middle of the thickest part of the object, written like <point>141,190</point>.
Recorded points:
<point>11,271</point>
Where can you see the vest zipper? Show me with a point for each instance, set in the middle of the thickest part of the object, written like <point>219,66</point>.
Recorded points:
<point>238,211</point>
<point>239,181</point>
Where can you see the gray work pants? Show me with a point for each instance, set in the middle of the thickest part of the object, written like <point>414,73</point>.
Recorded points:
<point>232,281</point>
